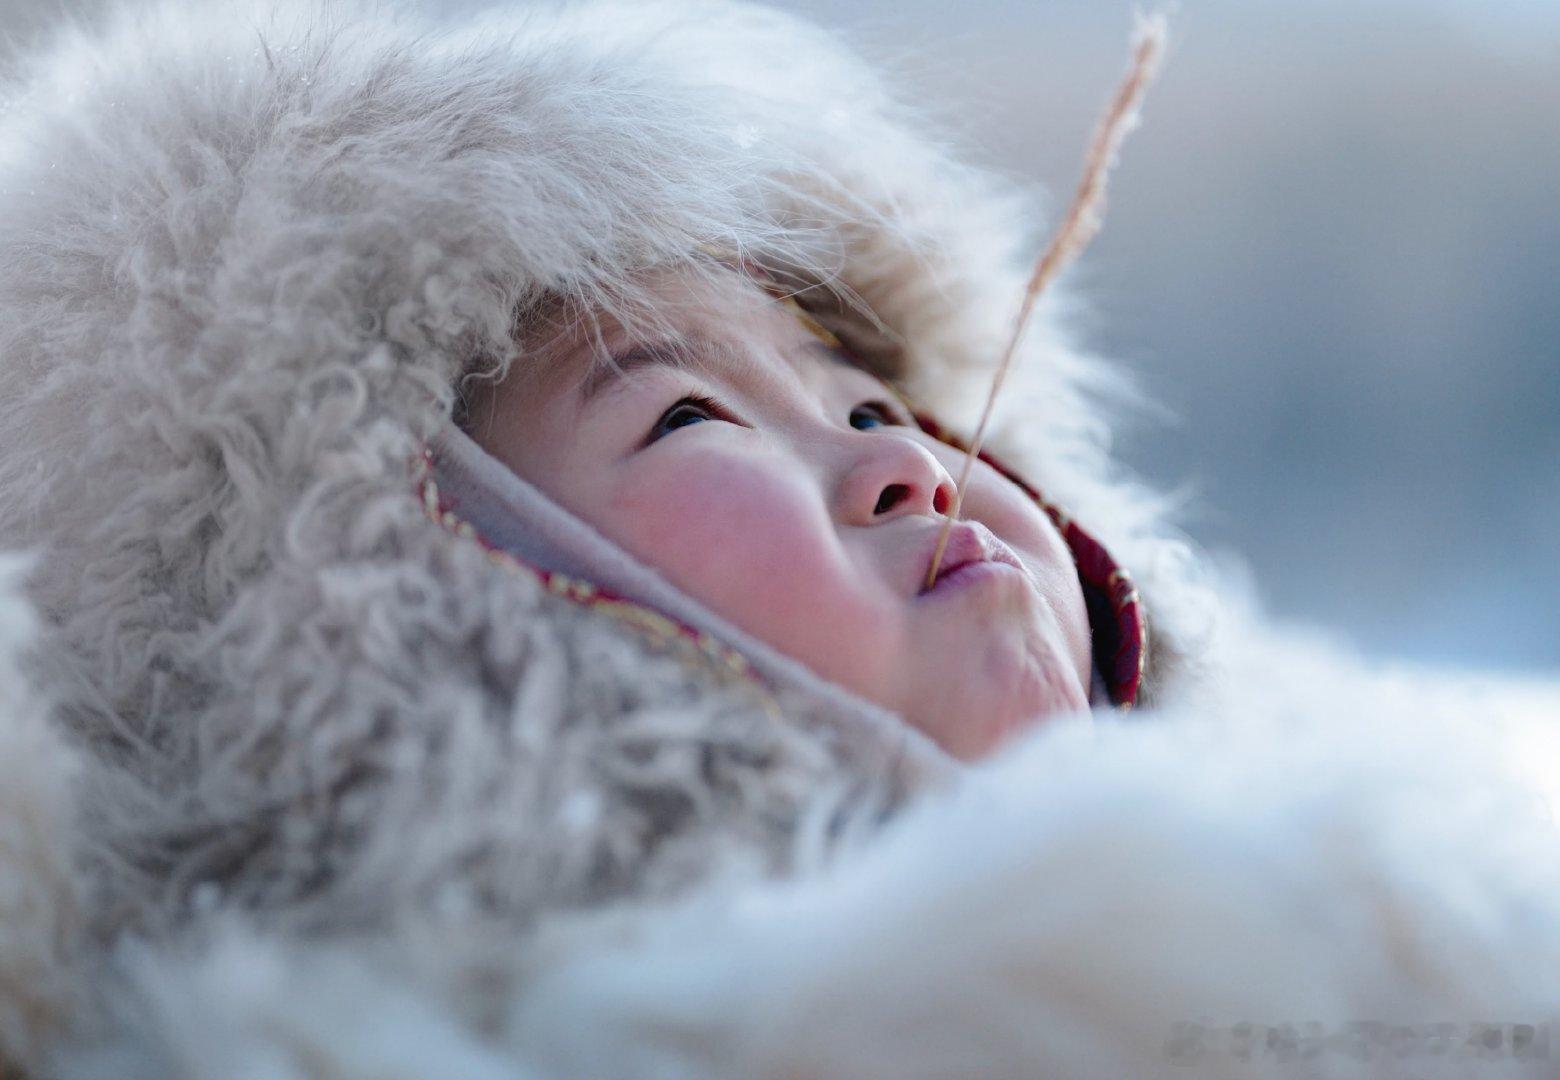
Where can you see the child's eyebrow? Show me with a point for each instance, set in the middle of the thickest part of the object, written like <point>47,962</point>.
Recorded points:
<point>687,353</point>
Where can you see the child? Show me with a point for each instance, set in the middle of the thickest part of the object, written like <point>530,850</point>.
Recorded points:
<point>253,252</point>
<point>804,508</point>
<point>625,742</point>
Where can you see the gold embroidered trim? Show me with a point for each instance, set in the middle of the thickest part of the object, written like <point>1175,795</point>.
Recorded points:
<point>700,650</point>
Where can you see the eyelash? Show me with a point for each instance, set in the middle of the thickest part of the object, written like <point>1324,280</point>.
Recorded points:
<point>718,411</point>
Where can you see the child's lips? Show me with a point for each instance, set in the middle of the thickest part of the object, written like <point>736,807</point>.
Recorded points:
<point>969,543</point>
<point>971,574</point>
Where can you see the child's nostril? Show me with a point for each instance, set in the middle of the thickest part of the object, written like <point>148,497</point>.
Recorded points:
<point>890,497</point>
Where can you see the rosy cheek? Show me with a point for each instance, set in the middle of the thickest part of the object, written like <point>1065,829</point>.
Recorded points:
<point>1010,513</point>
<point>726,529</point>
<point>1003,507</point>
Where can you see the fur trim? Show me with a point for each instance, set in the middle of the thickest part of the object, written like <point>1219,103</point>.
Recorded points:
<point>1112,900</point>
<point>236,297</point>
<point>40,901</point>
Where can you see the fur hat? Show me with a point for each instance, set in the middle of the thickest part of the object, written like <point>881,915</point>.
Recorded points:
<point>249,252</point>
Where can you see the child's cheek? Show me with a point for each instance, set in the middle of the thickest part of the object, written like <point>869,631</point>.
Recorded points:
<point>1004,507</point>
<point>726,528</point>
<point>1009,512</point>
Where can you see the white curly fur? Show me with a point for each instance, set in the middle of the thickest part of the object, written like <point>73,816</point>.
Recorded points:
<point>40,900</point>
<point>322,748</point>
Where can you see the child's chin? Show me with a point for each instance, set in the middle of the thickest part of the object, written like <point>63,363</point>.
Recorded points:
<point>987,717</point>
<point>1042,688</point>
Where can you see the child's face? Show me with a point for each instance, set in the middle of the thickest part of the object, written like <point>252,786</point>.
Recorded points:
<point>804,507</point>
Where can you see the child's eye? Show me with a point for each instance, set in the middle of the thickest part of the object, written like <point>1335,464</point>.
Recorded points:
<point>689,410</point>
<point>696,408</point>
<point>870,414</point>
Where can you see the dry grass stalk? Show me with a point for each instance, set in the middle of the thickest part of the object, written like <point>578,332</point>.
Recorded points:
<point>1078,228</point>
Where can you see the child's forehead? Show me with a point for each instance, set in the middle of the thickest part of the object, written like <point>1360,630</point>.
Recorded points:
<point>658,302</point>
<point>710,328</point>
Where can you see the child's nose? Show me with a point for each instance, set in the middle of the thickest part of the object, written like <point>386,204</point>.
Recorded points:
<point>893,476</point>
